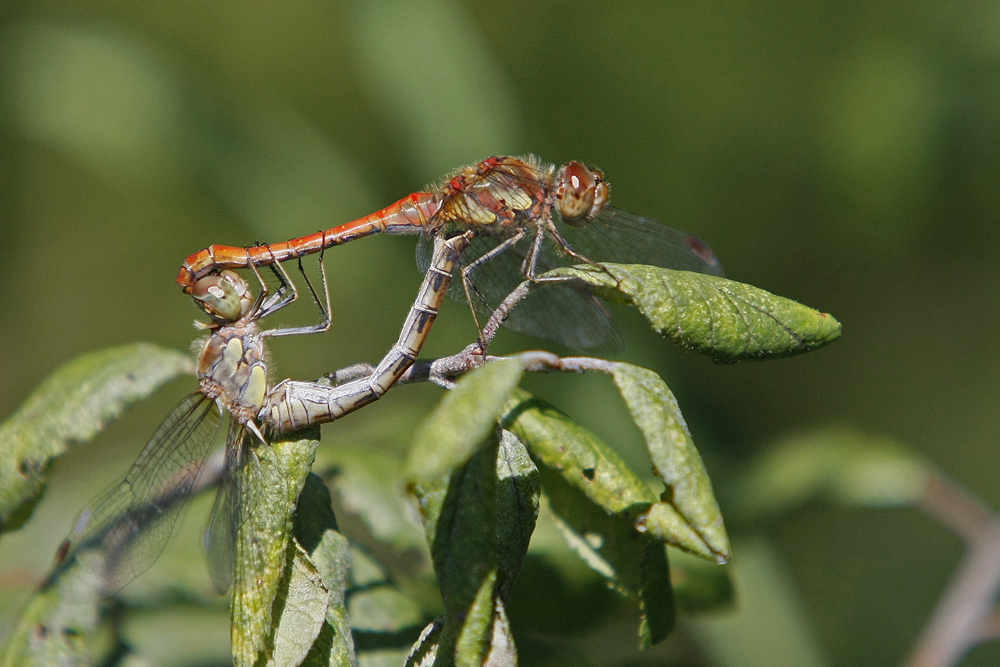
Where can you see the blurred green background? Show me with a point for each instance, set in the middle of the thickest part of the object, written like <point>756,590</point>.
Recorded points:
<point>841,154</point>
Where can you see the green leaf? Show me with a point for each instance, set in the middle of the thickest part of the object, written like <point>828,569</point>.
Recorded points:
<point>478,501</point>
<point>722,319</point>
<point>72,406</point>
<point>837,466</point>
<point>270,481</point>
<point>598,501</point>
<point>424,650</point>
<point>464,418</point>
<point>676,461</point>
<point>61,624</point>
<point>302,603</point>
<point>577,455</point>
<point>501,650</point>
<point>328,550</point>
<point>459,425</point>
<point>519,490</point>
<point>631,562</point>
<point>474,626</point>
<point>656,596</point>
<point>459,512</point>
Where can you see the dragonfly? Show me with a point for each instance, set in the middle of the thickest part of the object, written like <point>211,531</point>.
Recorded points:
<point>527,217</point>
<point>129,527</point>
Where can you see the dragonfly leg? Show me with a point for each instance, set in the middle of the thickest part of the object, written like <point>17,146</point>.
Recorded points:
<point>529,269</point>
<point>292,405</point>
<point>264,289</point>
<point>479,261</point>
<point>469,287</point>
<point>568,249</point>
<point>323,304</point>
<point>283,296</point>
<point>265,305</point>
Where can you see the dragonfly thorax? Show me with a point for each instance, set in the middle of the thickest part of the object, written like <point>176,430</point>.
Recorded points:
<point>231,371</point>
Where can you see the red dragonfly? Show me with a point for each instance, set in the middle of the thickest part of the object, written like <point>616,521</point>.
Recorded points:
<point>527,217</point>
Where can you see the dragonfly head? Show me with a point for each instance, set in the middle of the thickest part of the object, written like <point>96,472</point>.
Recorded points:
<point>581,194</point>
<point>225,296</point>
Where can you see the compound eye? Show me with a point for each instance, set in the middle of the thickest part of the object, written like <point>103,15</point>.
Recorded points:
<point>576,193</point>
<point>217,297</point>
<point>601,193</point>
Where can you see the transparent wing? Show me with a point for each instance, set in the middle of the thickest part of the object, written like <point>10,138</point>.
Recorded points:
<point>220,535</point>
<point>567,313</point>
<point>130,525</point>
<point>618,236</point>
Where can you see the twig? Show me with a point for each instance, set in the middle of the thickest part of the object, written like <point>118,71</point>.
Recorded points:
<point>990,628</point>
<point>965,614</point>
<point>442,371</point>
<point>956,509</point>
<point>501,312</point>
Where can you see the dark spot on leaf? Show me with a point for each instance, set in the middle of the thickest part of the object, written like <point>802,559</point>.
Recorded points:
<point>41,631</point>
<point>588,473</point>
<point>24,467</point>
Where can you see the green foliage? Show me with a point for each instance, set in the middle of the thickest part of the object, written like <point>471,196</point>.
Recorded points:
<point>722,319</point>
<point>687,516</point>
<point>268,564</point>
<point>482,467</point>
<point>73,405</point>
<point>831,467</point>
<point>60,623</point>
<point>598,504</point>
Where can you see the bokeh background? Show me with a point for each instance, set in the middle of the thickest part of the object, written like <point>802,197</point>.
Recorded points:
<point>846,155</point>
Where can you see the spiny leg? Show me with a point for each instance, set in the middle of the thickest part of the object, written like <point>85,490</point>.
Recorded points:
<point>469,287</point>
<point>281,297</point>
<point>568,249</point>
<point>324,306</point>
<point>264,289</point>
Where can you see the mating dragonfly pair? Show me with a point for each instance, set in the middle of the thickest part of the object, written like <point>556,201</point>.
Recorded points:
<point>502,221</point>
